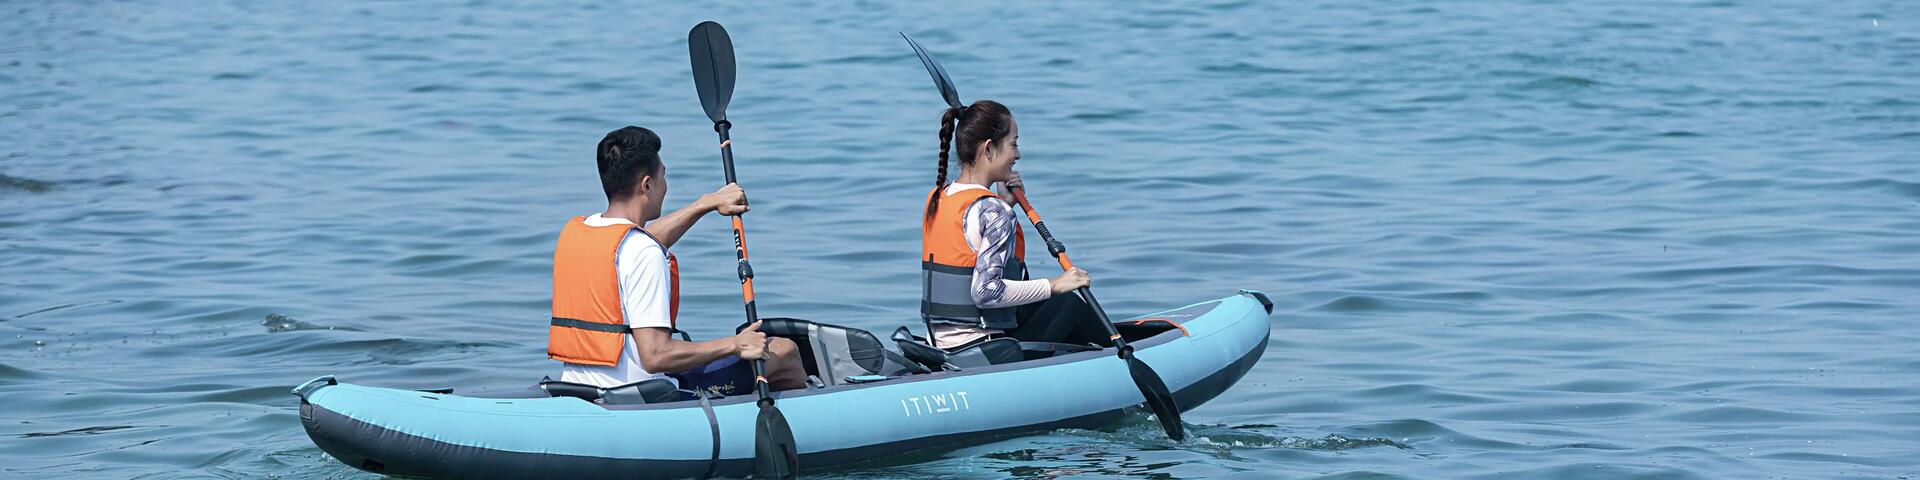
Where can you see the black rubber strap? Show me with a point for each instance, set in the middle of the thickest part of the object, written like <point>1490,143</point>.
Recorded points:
<point>706,405</point>
<point>590,326</point>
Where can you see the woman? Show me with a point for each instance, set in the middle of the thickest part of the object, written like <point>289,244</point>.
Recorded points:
<point>972,248</point>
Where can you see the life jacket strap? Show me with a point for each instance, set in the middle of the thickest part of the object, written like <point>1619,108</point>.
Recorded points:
<point>589,326</point>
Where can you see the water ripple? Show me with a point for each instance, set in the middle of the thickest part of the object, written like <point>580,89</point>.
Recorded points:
<point>1593,240</point>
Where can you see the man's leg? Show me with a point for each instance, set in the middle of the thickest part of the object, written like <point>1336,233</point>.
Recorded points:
<point>784,371</point>
<point>733,376</point>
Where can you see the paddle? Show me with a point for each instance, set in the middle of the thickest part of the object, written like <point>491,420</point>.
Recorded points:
<point>712,52</point>
<point>1159,399</point>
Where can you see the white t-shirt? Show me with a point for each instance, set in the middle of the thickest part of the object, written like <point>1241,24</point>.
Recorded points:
<point>646,297</point>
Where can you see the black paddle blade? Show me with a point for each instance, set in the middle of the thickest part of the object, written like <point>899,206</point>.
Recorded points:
<point>774,455</point>
<point>712,53</point>
<point>939,74</point>
<point>1158,398</point>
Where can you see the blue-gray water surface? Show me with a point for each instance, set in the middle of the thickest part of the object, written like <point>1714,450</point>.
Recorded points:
<point>1674,239</point>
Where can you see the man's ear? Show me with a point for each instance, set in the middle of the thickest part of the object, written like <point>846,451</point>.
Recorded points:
<point>646,183</point>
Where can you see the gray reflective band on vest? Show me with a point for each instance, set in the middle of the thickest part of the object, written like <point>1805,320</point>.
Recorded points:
<point>959,313</point>
<point>947,296</point>
<point>589,326</point>
<point>947,293</point>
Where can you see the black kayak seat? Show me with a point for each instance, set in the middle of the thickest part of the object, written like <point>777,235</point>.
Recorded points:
<point>990,352</point>
<point>995,351</point>
<point>657,390</point>
<point>919,350</point>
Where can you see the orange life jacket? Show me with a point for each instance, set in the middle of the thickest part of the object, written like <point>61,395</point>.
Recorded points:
<point>946,264</point>
<point>589,326</point>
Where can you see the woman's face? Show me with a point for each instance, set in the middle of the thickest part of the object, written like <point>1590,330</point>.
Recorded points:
<point>998,157</point>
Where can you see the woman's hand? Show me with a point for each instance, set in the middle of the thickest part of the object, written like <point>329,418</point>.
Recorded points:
<point>1006,188</point>
<point>1073,279</point>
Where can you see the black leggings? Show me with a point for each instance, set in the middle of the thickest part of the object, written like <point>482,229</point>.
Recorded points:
<point>1065,318</point>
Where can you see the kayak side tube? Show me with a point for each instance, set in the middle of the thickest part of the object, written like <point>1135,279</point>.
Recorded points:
<point>1206,349</point>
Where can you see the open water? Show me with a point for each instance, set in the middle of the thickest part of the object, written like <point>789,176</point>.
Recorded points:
<point>1508,239</point>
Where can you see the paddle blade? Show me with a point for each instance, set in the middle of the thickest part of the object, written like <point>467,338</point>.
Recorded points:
<point>1158,398</point>
<point>712,53</point>
<point>774,455</point>
<point>939,74</point>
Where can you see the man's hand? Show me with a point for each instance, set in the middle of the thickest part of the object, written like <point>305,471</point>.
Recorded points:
<point>728,200</point>
<point>750,344</point>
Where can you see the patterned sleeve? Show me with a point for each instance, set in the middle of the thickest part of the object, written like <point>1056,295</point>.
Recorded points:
<point>990,287</point>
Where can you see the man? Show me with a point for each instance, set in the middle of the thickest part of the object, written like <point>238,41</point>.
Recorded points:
<point>616,289</point>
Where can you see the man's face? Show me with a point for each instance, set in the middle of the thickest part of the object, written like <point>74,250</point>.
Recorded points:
<point>656,192</point>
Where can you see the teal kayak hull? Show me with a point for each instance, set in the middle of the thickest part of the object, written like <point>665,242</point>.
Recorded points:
<point>1200,350</point>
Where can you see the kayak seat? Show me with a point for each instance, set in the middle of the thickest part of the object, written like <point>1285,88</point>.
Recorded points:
<point>991,352</point>
<point>919,351</point>
<point>657,390</point>
<point>834,353</point>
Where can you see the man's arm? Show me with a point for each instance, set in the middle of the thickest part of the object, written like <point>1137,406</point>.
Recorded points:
<point>668,228</point>
<point>728,200</point>
<point>660,353</point>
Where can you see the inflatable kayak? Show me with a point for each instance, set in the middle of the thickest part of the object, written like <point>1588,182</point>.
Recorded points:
<point>865,402</point>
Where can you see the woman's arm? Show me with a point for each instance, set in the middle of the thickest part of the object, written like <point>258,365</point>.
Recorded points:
<point>991,289</point>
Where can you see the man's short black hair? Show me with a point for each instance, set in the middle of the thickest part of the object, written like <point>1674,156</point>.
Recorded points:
<point>624,156</point>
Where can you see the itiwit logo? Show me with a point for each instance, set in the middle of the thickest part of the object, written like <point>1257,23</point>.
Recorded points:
<point>935,403</point>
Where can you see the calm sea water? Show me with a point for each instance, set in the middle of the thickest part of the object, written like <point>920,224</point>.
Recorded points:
<point>1507,239</point>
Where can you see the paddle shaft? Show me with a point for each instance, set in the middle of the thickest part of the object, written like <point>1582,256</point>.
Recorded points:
<point>1059,252</point>
<point>711,51</point>
<point>745,269</point>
